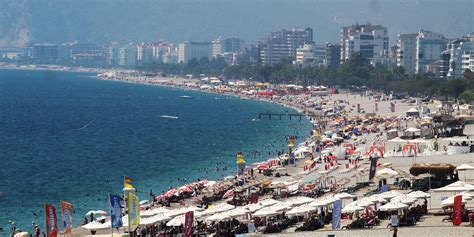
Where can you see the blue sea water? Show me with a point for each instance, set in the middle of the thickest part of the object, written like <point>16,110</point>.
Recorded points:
<point>68,136</point>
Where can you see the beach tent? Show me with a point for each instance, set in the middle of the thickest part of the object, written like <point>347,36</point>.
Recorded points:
<point>393,206</point>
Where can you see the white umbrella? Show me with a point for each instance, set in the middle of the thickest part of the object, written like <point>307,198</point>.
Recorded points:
<point>267,211</point>
<point>405,199</point>
<point>352,208</point>
<point>376,198</point>
<point>268,202</point>
<point>180,211</point>
<point>239,211</point>
<point>389,194</point>
<point>218,217</point>
<point>450,201</point>
<point>412,130</point>
<point>300,210</point>
<point>95,226</point>
<point>392,206</point>
<point>457,186</point>
<point>386,172</point>
<point>298,200</point>
<point>222,207</point>
<point>344,196</point>
<point>465,167</point>
<point>419,194</point>
<point>253,207</point>
<point>177,221</point>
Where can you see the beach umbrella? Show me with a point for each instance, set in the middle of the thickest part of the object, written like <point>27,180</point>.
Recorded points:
<point>393,206</point>
<point>419,194</point>
<point>298,200</point>
<point>253,207</point>
<point>386,172</point>
<point>239,211</point>
<point>300,210</point>
<point>450,201</point>
<point>97,213</point>
<point>228,193</point>
<point>458,186</point>
<point>95,226</point>
<point>352,208</point>
<point>170,193</point>
<point>218,217</point>
<point>344,196</point>
<point>465,167</point>
<point>389,194</point>
<point>177,221</point>
<point>376,198</point>
<point>405,199</point>
<point>268,202</point>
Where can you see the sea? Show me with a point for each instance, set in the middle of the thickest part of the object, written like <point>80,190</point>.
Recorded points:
<point>69,136</point>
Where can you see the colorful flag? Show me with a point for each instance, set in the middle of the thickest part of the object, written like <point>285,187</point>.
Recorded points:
<point>240,161</point>
<point>51,220</point>
<point>457,210</point>
<point>66,215</point>
<point>133,210</point>
<point>116,211</point>
<point>336,214</point>
<point>373,167</point>
<point>188,224</point>
<point>127,182</point>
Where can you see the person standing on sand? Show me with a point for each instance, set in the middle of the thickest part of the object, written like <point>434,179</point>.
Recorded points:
<point>394,223</point>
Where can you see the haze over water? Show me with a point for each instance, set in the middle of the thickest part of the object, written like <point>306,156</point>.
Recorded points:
<point>67,136</point>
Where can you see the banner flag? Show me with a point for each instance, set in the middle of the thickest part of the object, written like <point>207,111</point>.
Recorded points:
<point>51,220</point>
<point>66,215</point>
<point>373,167</point>
<point>336,215</point>
<point>376,107</point>
<point>188,224</point>
<point>358,108</point>
<point>133,210</point>
<point>392,107</point>
<point>457,210</point>
<point>240,161</point>
<point>116,211</point>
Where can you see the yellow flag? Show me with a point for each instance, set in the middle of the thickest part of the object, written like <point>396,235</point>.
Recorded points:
<point>133,204</point>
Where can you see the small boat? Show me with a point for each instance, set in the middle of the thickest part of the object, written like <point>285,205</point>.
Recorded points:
<point>168,117</point>
<point>186,97</point>
<point>255,120</point>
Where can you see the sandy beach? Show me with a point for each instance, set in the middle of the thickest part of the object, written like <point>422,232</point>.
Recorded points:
<point>428,225</point>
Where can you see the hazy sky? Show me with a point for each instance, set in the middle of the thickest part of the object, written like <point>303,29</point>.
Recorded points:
<point>102,21</point>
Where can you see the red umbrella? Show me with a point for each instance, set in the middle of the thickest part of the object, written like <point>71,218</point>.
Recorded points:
<point>263,167</point>
<point>228,193</point>
<point>170,193</point>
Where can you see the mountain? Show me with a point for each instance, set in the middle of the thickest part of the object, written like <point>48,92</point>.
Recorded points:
<point>103,21</point>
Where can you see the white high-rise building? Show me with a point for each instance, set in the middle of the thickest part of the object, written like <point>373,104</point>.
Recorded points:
<point>370,40</point>
<point>459,52</point>
<point>406,52</point>
<point>283,44</point>
<point>189,50</point>
<point>128,55</point>
<point>429,46</point>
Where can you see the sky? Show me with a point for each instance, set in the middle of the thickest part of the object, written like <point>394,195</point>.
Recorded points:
<point>104,21</point>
